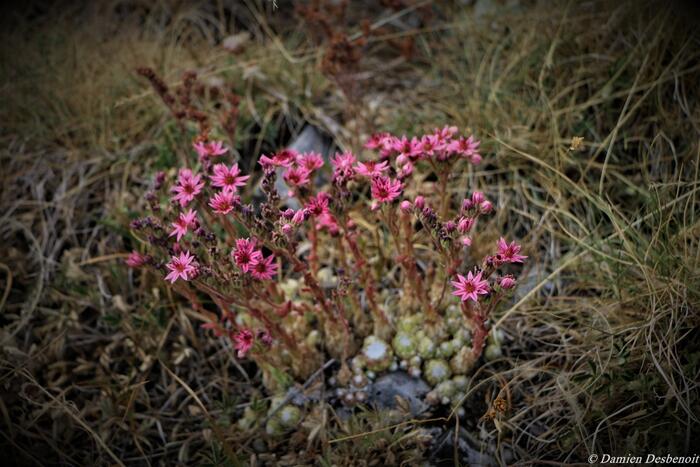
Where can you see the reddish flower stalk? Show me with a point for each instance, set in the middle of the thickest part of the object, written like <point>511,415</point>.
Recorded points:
<point>412,269</point>
<point>365,276</point>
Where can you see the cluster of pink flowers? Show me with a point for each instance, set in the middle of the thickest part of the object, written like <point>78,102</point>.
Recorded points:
<point>441,144</point>
<point>188,186</point>
<point>263,241</point>
<point>251,260</point>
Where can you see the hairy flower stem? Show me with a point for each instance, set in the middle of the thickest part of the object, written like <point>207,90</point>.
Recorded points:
<point>475,316</point>
<point>276,329</point>
<point>361,264</point>
<point>313,254</point>
<point>411,268</point>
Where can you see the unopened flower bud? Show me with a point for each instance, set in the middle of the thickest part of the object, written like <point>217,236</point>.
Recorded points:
<point>507,282</point>
<point>450,226</point>
<point>158,180</point>
<point>287,229</point>
<point>465,224</point>
<point>467,204</point>
<point>466,241</point>
<point>486,207</point>
<point>405,206</point>
<point>419,202</point>
<point>478,197</point>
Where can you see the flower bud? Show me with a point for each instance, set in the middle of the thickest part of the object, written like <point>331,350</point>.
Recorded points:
<point>287,229</point>
<point>465,224</point>
<point>405,206</point>
<point>486,207</point>
<point>467,204</point>
<point>507,282</point>
<point>478,197</point>
<point>466,241</point>
<point>419,202</point>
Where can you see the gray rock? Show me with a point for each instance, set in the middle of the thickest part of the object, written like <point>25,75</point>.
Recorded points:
<point>384,390</point>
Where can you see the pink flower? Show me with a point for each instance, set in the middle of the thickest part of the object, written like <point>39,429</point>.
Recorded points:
<point>406,148</point>
<point>470,287</point>
<point>310,161</point>
<point>326,221</point>
<point>429,145</point>
<point>343,164</point>
<point>245,255</point>
<point>265,268</point>
<point>181,267</point>
<point>243,342</point>
<point>486,207</point>
<point>283,158</point>
<point>135,259</point>
<point>466,241</point>
<point>507,282</point>
<point>405,206</point>
<point>478,198</point>
<point>445,133</point>
<point>371,168</point>
<point>465,224</point>
<point>509,253</point>
<point>188,186</point>
<point>183,223</point>
<point>376,141</point>
<point>405,171</point>
<point>467,148</point>
<point>297,176</point>
<point>318,204</point>
<point>224,202</point>
<point>385,189</point>
<point>228,178</point>
<point>215,148</point>
<point>387,145</point>
<point>299,216</point>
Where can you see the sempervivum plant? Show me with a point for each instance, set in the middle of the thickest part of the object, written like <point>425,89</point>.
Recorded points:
<point>374,268</point>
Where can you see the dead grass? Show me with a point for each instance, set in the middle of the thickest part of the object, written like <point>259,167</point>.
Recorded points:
<point>601,356</point>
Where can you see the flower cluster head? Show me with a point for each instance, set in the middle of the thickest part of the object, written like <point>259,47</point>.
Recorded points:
<point>188,186</point>
<point>470,287</point>
<point>182,267</point>
<point>275,259</point>
<point>228,178</point>
<point>245,254</point>
<point>385,190</point>
<point>184,222</point>
<point>212,149</point>
<point>244,340</point>
<point>509,252</point>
